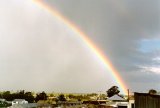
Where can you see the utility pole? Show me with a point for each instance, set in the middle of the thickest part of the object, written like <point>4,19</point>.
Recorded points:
<point>128,95</point>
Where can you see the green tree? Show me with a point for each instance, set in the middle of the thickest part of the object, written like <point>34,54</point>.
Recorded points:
<point>71,96</point>
<point>61,97</point>
<point>7,95</point>
<point>112,91</point>
<point>152,92</point>
<point>18,95</point>
<point>29,97</point>
<point>41,96</point>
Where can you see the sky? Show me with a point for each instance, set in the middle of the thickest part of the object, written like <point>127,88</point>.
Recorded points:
<point>41,53</point>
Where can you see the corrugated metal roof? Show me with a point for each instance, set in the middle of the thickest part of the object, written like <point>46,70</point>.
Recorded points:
<point>116,97</point>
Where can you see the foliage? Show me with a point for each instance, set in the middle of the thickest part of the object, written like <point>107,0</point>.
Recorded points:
<point>51,95</point>
<point>77,97</point>
<point>103,96</point>
<point>152,92</point>
<point>29,97</point>
<point>61,97</point>
<point>4,104</point>
<point>112,91</point>
<point>19,95</point>
<point>41,96</point>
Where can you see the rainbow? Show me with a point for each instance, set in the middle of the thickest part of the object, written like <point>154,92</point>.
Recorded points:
<point>106,62</point>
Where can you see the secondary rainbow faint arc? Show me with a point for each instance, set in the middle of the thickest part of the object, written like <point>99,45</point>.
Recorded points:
<point>87,41</point>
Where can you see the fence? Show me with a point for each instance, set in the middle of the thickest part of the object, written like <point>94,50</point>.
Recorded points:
<point>144,100</point>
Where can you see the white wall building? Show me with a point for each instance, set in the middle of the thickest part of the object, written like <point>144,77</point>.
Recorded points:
<point>117,101</point>
<point>19,101</point>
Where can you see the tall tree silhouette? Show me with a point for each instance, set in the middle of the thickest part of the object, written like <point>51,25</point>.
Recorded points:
<point>61,97</point>
<point>112,91</point>
<point>41,96</point>
<point>152,92</point>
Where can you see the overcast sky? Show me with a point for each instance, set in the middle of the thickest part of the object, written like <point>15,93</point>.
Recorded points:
<point>39,52</point>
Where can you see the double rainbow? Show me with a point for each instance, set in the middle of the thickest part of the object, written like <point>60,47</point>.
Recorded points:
<point>88,43</point>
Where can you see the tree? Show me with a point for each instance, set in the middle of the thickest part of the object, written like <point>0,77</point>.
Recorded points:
<point>152,92</point>
<point>29,97</point>
<point>112,91</point>
<point>7,95</point>
<point>41,96</point>
<point>61,97</point>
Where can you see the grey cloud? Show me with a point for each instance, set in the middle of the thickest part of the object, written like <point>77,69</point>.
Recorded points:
<point>118,28</point>
<point>37,48</point>
<point>40,53</point>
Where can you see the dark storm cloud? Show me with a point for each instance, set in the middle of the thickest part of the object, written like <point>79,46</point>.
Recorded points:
<point>39,52</point>
<point>118,28</point>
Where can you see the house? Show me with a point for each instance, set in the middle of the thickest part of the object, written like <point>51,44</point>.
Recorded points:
<point>2,100</point>
<point>116,98</point>
<point>19,101</point>
<point>145,100</point>
<point>131,103</point>
<point>4,103</point>
<point>29,105</point>
<point>117,101</point>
